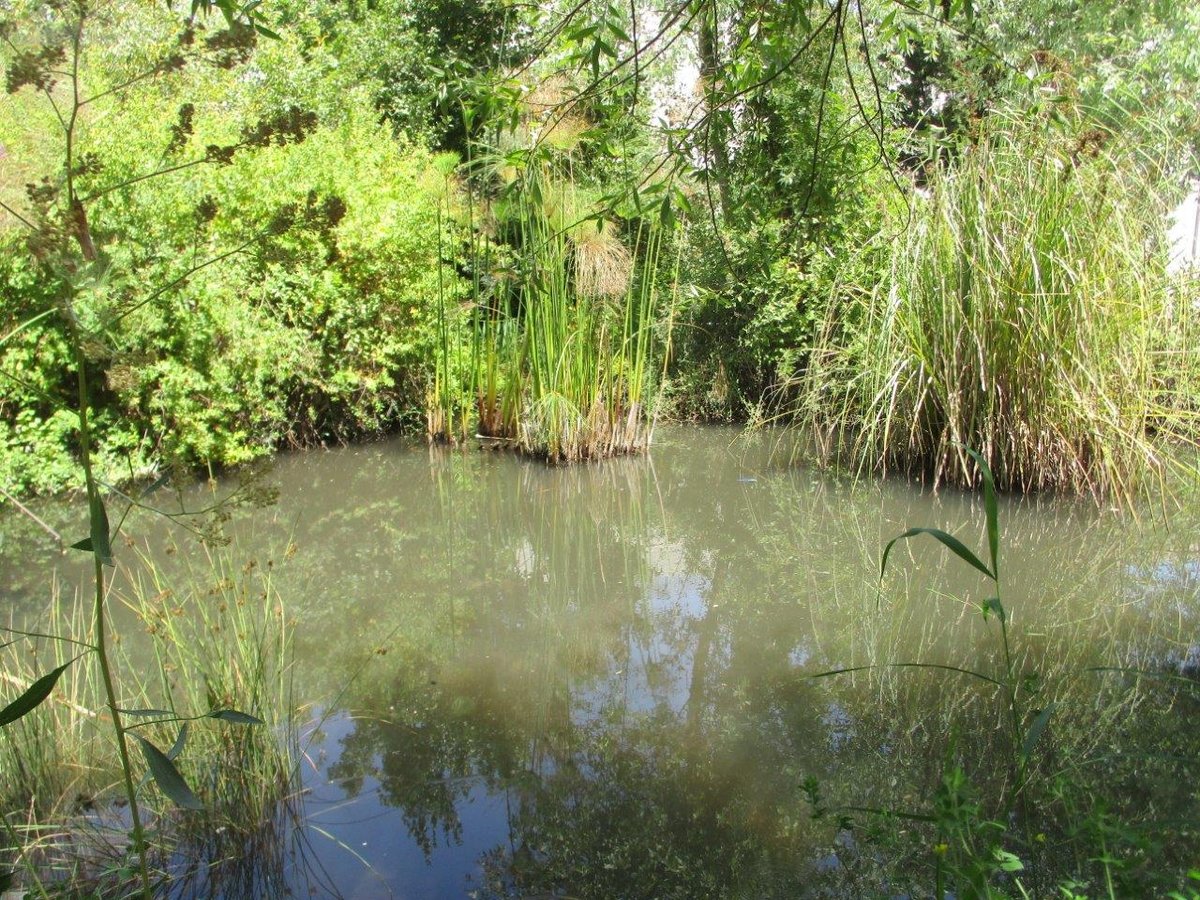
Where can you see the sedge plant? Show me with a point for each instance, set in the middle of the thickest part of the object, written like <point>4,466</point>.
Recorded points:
<point>62,241</point>
<point>1022,308</point>
<point>555,357</point>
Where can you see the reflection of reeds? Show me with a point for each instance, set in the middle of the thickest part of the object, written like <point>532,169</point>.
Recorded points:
<point>208,641</point>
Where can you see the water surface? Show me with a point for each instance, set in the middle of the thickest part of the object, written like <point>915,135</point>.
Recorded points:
<point>599,680</point>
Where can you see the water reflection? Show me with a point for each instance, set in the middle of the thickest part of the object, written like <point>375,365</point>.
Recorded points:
<point>597,680</point>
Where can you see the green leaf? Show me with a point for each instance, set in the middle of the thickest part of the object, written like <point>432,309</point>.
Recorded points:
<point>156,484</point>
<point>180,740</point>
<point>993,514</point>
<point>85,545</point>
<point>98,519</point>
<point>167,777</point>
<point>237,718</point>
<point>1008,862</point>
<point>146,713</point>
<point>33,696</point>
<point>953,544</point>
<point>1035,731</point>
<point>666,214</point>
<point>993,605</point>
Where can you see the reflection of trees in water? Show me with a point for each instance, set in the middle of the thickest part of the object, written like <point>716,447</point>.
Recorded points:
<point>612,703</point>
<point>656,805</point>
<point>623,653</point>
<point>623,650</point>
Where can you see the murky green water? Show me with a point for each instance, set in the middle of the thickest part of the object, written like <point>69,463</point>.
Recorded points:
<point>599,681</point>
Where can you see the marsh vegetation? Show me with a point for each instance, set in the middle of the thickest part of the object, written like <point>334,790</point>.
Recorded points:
<point>919,247</point>
<point>575,679</point>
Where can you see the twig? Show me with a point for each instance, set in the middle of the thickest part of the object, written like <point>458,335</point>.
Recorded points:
<point>32,515</point>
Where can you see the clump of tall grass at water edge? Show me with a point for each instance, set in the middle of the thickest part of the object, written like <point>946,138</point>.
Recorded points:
<point>557,358</point>
<point>188,648</point>
<point>1024,309</point>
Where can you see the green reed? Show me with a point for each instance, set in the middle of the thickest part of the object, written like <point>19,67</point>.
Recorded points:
<point>1062,730</point>
<point>556,356</point>
<point>190,652</point>
<point>1024,310</point>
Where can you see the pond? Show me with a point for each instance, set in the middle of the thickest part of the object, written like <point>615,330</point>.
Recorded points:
<point>611,679</point>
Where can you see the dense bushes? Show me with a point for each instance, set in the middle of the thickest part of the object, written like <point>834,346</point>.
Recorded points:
<point>279,284</point>
<point>279,293</point>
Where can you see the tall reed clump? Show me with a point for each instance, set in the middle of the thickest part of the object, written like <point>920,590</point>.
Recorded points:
<point>1024,310</point>
<point>557,356</point>
<point>196,648</point>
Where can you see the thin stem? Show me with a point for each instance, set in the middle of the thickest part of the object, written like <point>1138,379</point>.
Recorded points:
<point>30,514</point>
<point>101,646</point>
<point>16,215</point>
<point>145,176</point>
<point>95,502</point>
<point>47,635</point>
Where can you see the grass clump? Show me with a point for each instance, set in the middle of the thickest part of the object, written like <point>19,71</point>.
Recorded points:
<point>185,656</point>
<point>1023,310</point>
<point>556,357</point>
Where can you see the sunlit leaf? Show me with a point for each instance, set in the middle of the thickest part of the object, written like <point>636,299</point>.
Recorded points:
<point>991,505</point>
<point>993,605</point>
<point>98,519</point>
<point>34,695</point>
<point>953,544</point>
<point>156,484</point>
<point>180,741</point>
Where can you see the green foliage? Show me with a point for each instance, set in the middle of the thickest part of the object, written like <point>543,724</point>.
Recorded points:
<point>982,831</point>
<point>265,290</point>
<point>419,61</point>
<point>746,321</point>
<point>318,333</point>
<point>32,697</point>
<point>1025,311</point>
<point>785,204</point>
<point>559,358</point>
<point>188,677</point>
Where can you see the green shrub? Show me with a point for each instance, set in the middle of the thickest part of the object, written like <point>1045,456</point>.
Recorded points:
<point>280,289</point>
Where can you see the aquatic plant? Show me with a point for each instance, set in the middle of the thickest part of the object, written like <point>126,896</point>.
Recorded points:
<point>982,841</point>
<point>83,290</point>
<point>198,647</point>
<point>555,357</point>
<point>1024,310</point>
